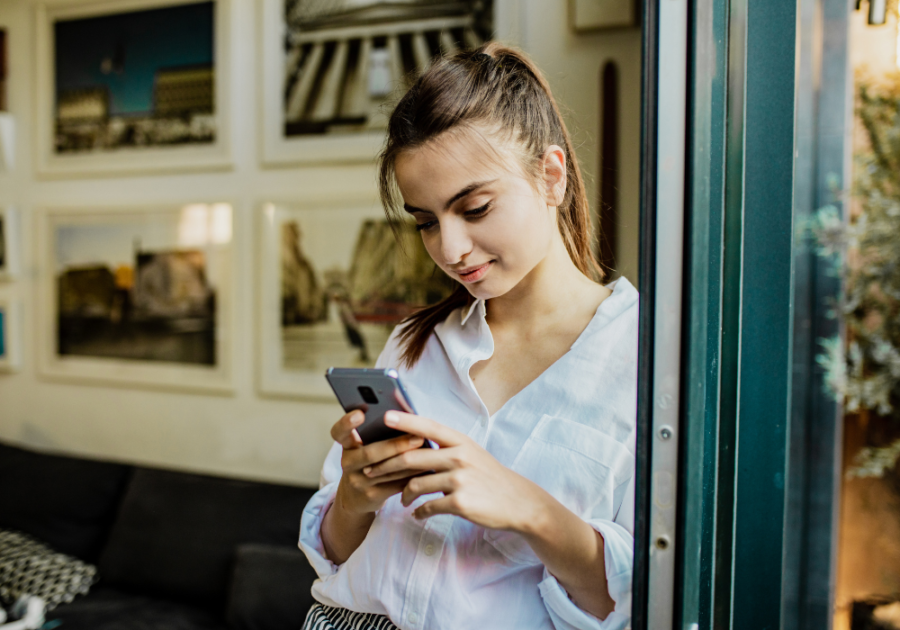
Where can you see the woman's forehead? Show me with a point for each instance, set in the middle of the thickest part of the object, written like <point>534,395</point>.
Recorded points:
<point>452,161</point>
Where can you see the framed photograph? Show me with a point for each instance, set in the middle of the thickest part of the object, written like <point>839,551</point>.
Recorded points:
<point>334,281</point>
<point>9,243</point>
<point>10,334</point>
<point>138,296</point>
<point>132,86</point>
<point>331,69</point>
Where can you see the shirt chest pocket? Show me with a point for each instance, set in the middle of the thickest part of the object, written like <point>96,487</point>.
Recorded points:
<point>579,466</point>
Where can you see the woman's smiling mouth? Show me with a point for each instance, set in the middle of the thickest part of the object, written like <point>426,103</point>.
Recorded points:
<point>473,274</point>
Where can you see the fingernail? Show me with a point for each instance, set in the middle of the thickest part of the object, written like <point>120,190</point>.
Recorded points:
<point>391,419</point>
<point>415,441</point>
<point>367,470</point>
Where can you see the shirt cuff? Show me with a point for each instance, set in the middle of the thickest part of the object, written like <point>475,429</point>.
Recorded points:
<point>618,555</point>
<point>311,530</point>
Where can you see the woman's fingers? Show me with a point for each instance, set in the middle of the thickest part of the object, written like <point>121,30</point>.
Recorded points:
<point>443,505</point>
<point>416,459</point>
<point>376,452</point>
<point>426,484</point>
<point>344,430</point>
<point>379,451</point>
<point>400,474</point>
<point>425,427</point>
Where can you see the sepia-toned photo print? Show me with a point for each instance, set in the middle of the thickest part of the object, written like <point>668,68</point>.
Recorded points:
<point>140,288</point>
<point>338,283</point>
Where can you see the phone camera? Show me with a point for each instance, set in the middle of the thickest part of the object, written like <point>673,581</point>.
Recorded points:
<point>368,395</point>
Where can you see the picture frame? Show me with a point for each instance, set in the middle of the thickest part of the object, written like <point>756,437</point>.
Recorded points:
<point>10,239</point>
<point>171,114</point>
<point>361,62</point>
<point>332,283</point>
<point>138,296</point>
<point>10,334</point>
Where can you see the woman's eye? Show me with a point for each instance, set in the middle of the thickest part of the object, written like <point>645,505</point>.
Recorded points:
<point>477,212</point>
<point>425,226</point>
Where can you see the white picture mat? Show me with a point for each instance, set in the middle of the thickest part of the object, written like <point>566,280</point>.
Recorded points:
<point>213,156</point>
<point>12,238</point>
<point>10,360</point>
<point>218,379</point>
<point>276,148</point>
<point>274,379</point>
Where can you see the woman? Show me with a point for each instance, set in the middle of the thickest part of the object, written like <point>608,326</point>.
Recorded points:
<point>525,377</point>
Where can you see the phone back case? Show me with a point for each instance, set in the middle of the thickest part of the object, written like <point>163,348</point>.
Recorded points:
<point>373,391</point>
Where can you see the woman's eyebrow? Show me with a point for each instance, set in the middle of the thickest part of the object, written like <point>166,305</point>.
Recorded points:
<point>467,190</point>
<point>462,193</point>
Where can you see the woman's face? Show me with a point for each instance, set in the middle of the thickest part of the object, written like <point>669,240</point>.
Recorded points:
<point>481,219</point>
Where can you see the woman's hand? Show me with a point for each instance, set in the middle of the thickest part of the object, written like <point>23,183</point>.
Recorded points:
<point>475,485</point>
<point>358,492</point>
<point>358,496</point>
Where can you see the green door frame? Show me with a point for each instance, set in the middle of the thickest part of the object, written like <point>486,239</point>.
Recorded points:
<point>746,494</point>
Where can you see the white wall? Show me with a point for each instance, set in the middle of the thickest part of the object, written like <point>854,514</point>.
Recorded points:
<point>245,435</point>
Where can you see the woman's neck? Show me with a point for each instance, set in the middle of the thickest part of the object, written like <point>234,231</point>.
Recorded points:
<point>535,302</point>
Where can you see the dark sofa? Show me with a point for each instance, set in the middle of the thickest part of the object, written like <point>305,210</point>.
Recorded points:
<point>174,551</point>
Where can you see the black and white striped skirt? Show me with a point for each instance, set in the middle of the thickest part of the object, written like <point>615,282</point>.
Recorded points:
<point>321,617</point>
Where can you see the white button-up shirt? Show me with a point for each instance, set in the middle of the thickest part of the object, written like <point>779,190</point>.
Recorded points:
<point>571,431</point>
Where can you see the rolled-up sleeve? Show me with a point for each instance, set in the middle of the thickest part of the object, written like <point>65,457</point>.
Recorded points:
<point>314,513</point>
<point>618,555</point>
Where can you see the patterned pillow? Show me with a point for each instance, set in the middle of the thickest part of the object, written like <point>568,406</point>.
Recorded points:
<point>30,567</point>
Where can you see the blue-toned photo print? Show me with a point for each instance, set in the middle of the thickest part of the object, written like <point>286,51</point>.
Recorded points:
<point>138,79</point>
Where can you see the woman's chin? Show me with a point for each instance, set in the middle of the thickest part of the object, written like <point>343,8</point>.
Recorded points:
<point>485,290</point>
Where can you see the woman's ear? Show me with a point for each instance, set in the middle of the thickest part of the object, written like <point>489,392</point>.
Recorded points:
<point>554,175</point>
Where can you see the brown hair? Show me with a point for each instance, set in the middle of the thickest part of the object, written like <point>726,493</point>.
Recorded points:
<point>497,88</point>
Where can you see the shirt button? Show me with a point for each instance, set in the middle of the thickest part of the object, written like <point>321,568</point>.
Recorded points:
<point>413,618</point>
<point>429,550</point>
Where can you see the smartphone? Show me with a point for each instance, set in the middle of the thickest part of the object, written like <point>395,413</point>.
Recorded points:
<point>375,392</point>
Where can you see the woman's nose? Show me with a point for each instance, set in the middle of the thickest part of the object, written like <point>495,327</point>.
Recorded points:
<point>455,241</point>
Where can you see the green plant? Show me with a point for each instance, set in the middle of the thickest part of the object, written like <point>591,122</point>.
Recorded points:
<point>863,371</point>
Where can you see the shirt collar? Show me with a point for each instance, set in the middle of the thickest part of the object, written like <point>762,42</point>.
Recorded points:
<point>477,304</point>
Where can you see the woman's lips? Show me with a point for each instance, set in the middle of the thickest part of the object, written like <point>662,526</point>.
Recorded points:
<point>473,273</point>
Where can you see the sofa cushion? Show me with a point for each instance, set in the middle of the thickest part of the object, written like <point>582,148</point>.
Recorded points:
<point>176,533</point>
<point>106,608</point>
<point>29,567</point>
<point>270,588</point>
<point>65,502</point>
